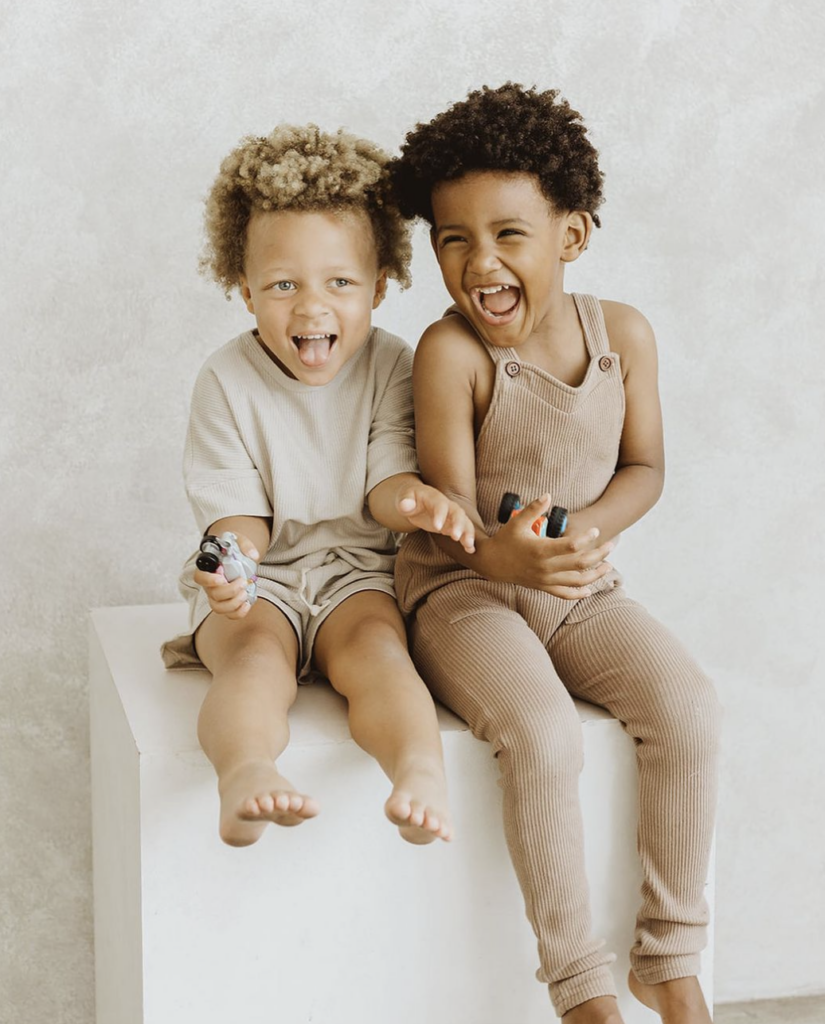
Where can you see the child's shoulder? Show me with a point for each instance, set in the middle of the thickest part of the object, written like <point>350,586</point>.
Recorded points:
<point>628,331</point>
<point>450,340</point>
<point>387,345</point>
<point>390,356</point>
<point>231,374</point>
<point>232,357</point>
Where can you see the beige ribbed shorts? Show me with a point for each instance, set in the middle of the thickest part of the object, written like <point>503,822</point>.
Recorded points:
<point>306,595</point>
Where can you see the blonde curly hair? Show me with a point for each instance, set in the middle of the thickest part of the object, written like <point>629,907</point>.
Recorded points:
<point>301,168</point>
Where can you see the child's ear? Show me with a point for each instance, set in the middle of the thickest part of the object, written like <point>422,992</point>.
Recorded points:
<point>380,289</point>
<point>434,242</point>
<point>246,294</point>
<point>576,235</point>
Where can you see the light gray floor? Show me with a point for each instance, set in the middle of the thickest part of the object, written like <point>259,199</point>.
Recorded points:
<point>803,1010</point>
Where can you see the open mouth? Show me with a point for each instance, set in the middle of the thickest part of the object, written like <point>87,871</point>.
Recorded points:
<point>497,303</point>
<point>314,349</point>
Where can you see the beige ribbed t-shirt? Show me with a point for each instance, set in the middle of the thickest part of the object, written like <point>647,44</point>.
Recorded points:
<point>262,444</point>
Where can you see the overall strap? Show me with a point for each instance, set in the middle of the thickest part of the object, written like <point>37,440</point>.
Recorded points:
<point>592,320</point>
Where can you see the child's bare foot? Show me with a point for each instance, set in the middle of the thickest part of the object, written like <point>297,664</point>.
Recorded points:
<point>677,1002</point>
<point>602,1010</point>
<point>418,805</point>
<point>255,793</point>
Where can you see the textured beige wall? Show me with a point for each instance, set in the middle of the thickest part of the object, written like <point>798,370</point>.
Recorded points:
<point>710,120</point>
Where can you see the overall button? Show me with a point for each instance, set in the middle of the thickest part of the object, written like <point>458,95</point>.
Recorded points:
<point>512,369</point>
<point>605,363</point>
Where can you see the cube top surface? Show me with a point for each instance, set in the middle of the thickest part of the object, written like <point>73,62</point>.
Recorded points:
<point>162,706</point>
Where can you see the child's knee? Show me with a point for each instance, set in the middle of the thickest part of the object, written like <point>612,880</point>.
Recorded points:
<point>257,649</point>
<point>373,631</point>
<point>707,713</point>
<point>689,717</point>
<point>542,741</point>
<point>373,639</point>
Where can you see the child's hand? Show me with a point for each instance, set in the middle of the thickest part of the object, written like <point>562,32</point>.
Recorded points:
<point>428,509</point>
<point>227,598</point>
<point>564,567</point>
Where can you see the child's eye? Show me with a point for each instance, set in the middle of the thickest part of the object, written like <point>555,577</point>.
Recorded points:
<point>447,239</point>
<point>509,231</point>
<point>283,286</point>
<point>341,282</point>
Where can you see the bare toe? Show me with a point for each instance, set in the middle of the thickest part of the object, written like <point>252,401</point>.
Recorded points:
<point>416,835</point>
<point>255,793</point>
<point>420,820</point>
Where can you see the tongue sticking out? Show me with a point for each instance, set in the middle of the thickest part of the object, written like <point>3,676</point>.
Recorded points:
<point>313,351</point>
<point>500,302</point>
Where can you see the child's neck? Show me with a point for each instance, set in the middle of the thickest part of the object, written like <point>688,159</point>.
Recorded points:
<point>558,345</point>
<point>558,327</point>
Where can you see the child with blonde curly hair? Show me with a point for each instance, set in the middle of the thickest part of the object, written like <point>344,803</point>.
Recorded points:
<point>300,443</point>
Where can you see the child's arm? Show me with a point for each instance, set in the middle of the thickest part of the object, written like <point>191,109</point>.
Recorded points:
<point>229,598</point>
<point>449,364</point>
<point>220,475</point>
<point>396,496</point>
<point>404,503</point>
<point>640,470</point>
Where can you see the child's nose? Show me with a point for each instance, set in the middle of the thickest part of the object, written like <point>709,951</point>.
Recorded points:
<point>483,259</point>
<point>311,302</point>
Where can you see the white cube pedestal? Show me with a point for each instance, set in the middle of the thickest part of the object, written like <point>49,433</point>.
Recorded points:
<point>338,921</point>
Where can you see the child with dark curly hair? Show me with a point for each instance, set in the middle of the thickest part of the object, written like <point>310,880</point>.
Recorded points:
<point>300,443</point>
<point>524,388</point>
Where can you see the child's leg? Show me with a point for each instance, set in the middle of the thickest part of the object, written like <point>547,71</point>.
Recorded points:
<point>362,649</point>
<point>482,660</point>
<point>243,721</point>
<point>612,652</point>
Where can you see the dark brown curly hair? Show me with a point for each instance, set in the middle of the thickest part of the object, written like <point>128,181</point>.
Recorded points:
<point>505,129</point>
<point>301,168</point>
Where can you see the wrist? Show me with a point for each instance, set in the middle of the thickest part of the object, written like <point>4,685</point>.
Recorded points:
<point>485,562</point>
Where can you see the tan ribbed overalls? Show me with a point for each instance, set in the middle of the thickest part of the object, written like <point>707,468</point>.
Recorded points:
<point>508,660</point>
